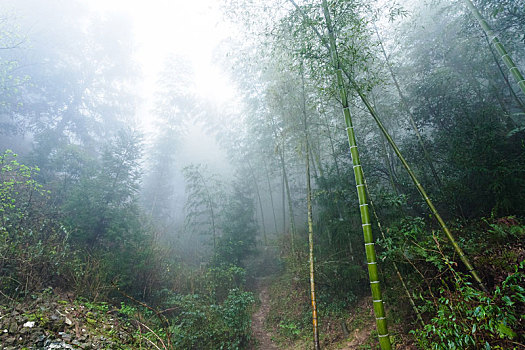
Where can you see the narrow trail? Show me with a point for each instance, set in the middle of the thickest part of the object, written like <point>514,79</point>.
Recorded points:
<point>264,339</point>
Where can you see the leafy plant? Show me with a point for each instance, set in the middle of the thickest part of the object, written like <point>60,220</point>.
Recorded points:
<point>469,319</point>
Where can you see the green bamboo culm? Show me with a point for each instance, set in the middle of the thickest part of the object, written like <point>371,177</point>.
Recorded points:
<point>311,251</point>
<point>315,323</point>
<point>379,310</point>
<point>493,38</point>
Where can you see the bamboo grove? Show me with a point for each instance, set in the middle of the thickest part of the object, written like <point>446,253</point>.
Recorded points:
<point>310,22</point>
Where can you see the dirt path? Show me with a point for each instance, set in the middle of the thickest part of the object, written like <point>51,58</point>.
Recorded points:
<point>264,340</point>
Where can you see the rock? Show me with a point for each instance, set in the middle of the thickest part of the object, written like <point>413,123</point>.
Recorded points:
<point>55,344</point>
<point>65,336</point>
<point>29,324</point>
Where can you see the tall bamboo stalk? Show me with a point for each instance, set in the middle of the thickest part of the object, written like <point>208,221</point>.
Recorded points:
<point>310,221</point>
<point>287,187</point>
<point>311,250</point>
<point>516,73</point>
<point>382,329</point>
<point>283,202</point>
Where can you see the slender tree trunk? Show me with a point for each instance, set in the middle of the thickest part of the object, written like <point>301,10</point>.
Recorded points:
<point>315,162</point>
<point>287,187</point>
<point>311,248</point>
<point>283,201</point>
<point>310,218</point>
<point>516,73</point>
<point>389,166</point>
<point>398,273</point>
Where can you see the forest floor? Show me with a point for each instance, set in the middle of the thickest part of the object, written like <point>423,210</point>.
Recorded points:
<point>262,336</point>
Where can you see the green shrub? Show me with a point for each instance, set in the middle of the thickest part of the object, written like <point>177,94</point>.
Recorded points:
<point>220,279</point>
<point>200,324</point>
<point>34,245</point>
<point>469,319</point>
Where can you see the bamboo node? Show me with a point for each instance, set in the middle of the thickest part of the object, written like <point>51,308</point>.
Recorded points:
<point>378,301</point>
<point>372,263</point>
<point>383,335</point>
<point>374,282</point>
<point>367,244</point>
<point>363,205</point>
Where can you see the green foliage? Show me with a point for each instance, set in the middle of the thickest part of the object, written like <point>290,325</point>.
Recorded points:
<point>219,280</point>
<point>339,252</point>
<point>411,239</point>
<point>289,329</point>
<point>203,202</point>
<point>466,318</point>
<point>17,187</point>
<point>102,207</point>
<point>33,245</point>
<point>101,211</point>
<point>199,324</point>
<point>238,227</point>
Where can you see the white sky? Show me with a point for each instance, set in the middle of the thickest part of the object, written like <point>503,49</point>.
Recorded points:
<point>192,29</point>
<point>189,28</point>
